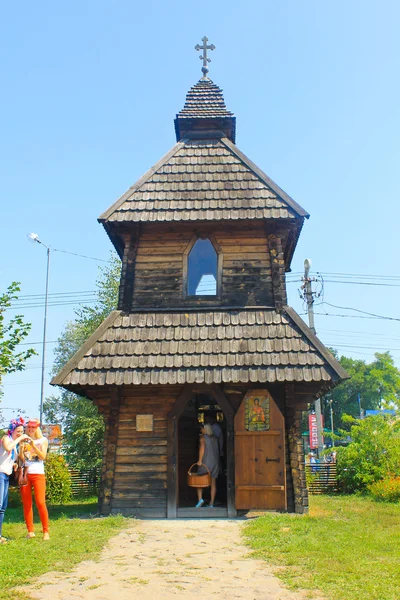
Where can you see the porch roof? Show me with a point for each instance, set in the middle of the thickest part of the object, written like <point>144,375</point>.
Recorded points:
<point>209,346</point>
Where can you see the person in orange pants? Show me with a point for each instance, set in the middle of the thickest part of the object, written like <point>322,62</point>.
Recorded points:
<point>34,452</point>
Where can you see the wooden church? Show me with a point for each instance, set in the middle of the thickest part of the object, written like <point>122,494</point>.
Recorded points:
<point>202,330</point>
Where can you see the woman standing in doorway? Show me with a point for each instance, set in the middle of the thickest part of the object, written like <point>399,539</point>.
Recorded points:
<point>34,454</point>
<point>8,456</point>
<point>208,456</point>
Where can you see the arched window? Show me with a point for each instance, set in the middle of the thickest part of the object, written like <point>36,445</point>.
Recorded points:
<point>202,269</point>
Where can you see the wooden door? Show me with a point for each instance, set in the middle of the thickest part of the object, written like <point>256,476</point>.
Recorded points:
<point>260,453</point>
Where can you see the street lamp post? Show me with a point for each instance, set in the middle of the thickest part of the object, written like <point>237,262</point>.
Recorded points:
<point>33,237</point>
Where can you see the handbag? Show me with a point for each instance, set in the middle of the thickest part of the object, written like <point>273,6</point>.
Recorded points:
<point>19,476</point>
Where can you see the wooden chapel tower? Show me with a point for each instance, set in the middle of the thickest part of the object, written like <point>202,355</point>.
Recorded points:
<point>202,328</point>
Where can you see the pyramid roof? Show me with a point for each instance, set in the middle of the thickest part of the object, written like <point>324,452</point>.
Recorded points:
<point>203,180</point>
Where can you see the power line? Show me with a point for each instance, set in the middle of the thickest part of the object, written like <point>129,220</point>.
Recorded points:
<point>68,303</point>
<point>351,282</point>
<point>362,333</point>
<point>362,347</point>
<point>363,276</point>
<point>27,296</point>
<point>325,314</point>
<point>353,279</point>
<point>20,382</point>
<point>361,311</point>
<point>362,283</point>
<point>37,343</point>
<point>81,255</point>
<point>350,275</point>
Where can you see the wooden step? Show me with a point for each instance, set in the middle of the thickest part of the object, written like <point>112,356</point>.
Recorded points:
<point>202,513</point>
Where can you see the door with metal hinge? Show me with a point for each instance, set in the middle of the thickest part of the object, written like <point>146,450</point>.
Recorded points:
<point>260,453</point>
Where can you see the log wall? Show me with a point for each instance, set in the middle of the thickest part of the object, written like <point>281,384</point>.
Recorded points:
<point>139,482</point>
<point>134,472</point>
<point>246,266</point>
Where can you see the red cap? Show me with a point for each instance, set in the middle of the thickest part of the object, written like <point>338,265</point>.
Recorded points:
<point>33,423</point>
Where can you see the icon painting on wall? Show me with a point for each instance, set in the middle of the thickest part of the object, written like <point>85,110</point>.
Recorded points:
<point>256,410</point>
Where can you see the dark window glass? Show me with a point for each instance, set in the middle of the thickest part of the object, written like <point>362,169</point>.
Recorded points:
<point>202,269</point>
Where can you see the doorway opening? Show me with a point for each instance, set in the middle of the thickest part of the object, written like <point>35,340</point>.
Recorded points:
<point>201,408</point>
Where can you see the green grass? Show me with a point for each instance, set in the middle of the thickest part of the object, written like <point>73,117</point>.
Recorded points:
<point>348,547</point>
<point>75,536</point>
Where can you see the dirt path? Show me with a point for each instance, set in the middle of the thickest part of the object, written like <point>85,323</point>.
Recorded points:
<point>169,559</point>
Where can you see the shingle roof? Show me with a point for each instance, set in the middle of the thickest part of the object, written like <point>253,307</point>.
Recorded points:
<point>201,347</point>
<point>203,180</point>
<point>205,110</point>
<point>204,99</point>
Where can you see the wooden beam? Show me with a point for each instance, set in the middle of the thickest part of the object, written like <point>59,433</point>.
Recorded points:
<point>181,401</point>
<point>172,460</point>
<point>172,449</point>
<point>125,298</point>
<point>224,403</point>
<point>107,483</point>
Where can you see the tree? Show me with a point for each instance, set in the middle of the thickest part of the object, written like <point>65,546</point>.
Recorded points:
<point>83,427</point>
<point>376,385</point>
<point>12,334</point>
<point>382,384</point>
<point>372,455</point>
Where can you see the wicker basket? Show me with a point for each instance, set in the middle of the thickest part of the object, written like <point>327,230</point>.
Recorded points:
<point>198,481</point>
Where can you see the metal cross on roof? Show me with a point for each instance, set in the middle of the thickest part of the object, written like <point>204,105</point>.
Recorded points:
<point>204,57</point>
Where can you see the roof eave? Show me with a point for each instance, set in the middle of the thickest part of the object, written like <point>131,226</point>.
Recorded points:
<point>74,360</point>
<point>335,365</point>
<point>198,126</point>
<point>292,243</point>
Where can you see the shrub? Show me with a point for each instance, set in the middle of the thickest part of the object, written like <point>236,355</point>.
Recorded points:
<point>58,479</point>
<point>386,490</point>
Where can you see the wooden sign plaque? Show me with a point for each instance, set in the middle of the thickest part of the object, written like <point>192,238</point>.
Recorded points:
<point>144,423</point>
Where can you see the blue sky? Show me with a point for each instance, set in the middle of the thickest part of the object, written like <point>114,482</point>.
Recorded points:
<point>90,91</point>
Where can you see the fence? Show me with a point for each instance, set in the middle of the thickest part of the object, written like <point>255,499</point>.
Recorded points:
<point>85,483</point>
<point>321,479</point>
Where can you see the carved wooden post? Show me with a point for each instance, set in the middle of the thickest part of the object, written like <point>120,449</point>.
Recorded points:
<point>296,475</point>
<point>277,271</point>
<point>109,456</point>
<point>128,272</point>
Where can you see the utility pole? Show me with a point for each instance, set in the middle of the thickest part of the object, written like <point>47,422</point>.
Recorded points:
<point>332,428</point>
<point>308,296</point>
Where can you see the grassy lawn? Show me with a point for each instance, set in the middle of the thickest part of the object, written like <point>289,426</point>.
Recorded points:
<point>75,536</point>
<point>347,547</point>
